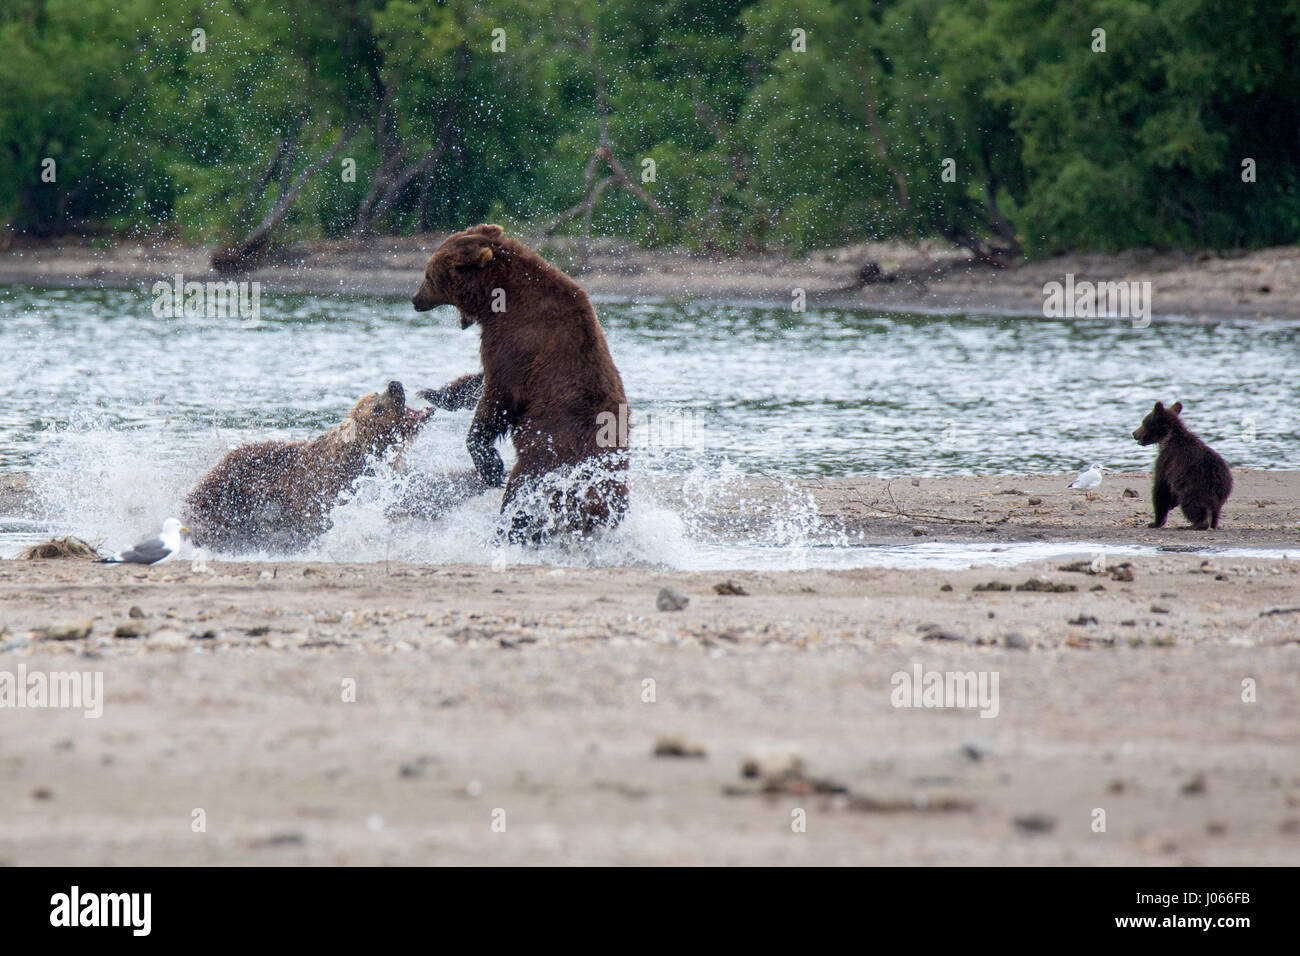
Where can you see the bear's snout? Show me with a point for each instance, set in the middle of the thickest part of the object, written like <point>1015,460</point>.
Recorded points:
<point>425,299</point>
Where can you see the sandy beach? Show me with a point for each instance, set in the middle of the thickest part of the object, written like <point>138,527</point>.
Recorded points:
<point>518,697</point>
<point>920,277</point>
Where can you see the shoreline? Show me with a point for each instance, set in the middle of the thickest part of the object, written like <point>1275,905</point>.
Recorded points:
<point>927,277</point>
<point>1263,512</point>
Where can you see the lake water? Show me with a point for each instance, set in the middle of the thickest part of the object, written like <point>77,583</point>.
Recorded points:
<point>114,412</point>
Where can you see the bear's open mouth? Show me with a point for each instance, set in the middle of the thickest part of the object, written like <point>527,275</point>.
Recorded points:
<point>414,415</point>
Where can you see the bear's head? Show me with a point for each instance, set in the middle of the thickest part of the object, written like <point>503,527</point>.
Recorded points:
<point>1160,421</point>
<point>380,420</point>
<point>454,274</point>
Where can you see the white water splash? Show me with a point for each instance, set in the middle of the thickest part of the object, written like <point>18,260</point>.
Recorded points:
<point>109,485</point>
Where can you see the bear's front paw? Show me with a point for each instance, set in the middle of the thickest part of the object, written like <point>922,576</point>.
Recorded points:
<point>1155,524</point>
<point>492,471</point>
<point>434,396</point>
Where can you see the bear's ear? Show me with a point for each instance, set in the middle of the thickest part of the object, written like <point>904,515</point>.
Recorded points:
<point>1178,407</point>
<point>476,258</point>
<point>1160,408</point>
<point>488,231</point>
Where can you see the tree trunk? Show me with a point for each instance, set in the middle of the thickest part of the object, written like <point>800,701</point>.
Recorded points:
<point>243,255</point>
<point>604,152</point>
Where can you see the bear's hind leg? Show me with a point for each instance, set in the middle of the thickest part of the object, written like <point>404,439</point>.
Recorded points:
<point>1162,497</point>
<point>521,504</point>
<point>524,529</point>
<point>1197,515</point>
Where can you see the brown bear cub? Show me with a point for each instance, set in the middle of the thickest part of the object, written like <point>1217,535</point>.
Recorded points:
<point>548,380</point>
<point>277,495</point>
<point>1189,473</point>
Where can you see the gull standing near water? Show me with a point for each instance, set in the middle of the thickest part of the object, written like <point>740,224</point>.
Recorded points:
<point>152,550</point>
<point>1089,480</point>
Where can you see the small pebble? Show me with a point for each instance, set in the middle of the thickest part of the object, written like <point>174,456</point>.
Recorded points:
<point>69,632</point>
<point>670,599</point>
<point>1035,823</point>
<point>678,747</point>
<point>977,748</point>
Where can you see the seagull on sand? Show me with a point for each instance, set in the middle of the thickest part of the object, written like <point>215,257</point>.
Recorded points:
<point>1089,480</point>
<point>155,549</point>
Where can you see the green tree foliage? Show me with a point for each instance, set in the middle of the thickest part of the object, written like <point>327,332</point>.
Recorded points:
<point>789,124</point>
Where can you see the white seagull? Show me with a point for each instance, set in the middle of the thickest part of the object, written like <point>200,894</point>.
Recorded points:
<point>1089,480</point>
<point>155,549</point>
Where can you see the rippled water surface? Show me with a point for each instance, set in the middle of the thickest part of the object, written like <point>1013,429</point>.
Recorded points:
<point>118,411</point>
<point>822,392</point>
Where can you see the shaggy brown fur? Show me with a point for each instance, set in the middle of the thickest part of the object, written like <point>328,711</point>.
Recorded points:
<point>548,380</point>
<point>277,495</point>
<point>1188,473</point>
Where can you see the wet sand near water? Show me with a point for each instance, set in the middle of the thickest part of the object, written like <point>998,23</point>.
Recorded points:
<point>1263,512</point>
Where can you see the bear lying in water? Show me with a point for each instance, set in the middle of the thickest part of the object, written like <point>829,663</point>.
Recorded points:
<point>277,495</point>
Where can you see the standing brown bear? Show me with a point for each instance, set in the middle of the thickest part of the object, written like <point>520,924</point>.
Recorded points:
<point>548,380</point>
<point>1189,473</point>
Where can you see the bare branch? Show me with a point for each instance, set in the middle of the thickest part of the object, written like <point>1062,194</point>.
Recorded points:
<point>240,256</point>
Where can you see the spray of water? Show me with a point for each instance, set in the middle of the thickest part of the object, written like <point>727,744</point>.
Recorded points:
<point>111,485</point>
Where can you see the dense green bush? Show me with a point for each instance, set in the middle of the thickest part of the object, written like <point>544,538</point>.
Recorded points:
<point>1052,144</point>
